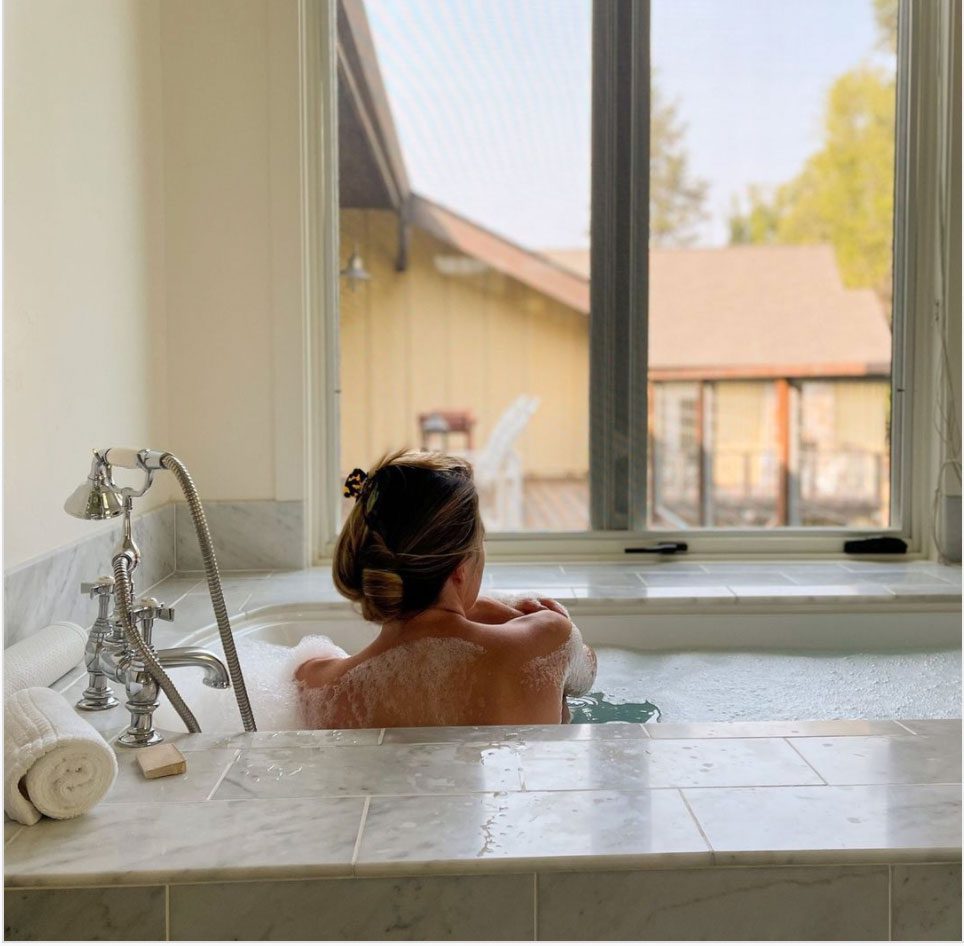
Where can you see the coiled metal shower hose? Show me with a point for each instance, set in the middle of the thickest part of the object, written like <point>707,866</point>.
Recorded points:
<point>124,599</point>
<point>183,477</point>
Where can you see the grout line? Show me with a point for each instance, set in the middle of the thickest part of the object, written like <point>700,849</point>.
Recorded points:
<point>14,836</point>
<point>786,739</point>
<point>890,902</point>
<point>223,775</point>
<point>167,912</point>
<point>535,906</point>
<point>699,826</point>
<point>361,828</point>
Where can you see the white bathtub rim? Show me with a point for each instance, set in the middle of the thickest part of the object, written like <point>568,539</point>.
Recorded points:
<point>765,627</point>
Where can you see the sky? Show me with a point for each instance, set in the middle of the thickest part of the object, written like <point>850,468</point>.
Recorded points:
<point>491,99</point>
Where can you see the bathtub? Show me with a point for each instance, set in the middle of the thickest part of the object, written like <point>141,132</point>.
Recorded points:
<point>752,665</point>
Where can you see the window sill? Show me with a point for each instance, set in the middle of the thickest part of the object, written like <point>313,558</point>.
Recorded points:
<point>675,584</point>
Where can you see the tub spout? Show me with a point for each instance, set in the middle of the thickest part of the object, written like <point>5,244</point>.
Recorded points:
<point>215,673</point>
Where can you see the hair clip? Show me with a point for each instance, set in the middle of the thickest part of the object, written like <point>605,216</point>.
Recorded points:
<point>354,482</point>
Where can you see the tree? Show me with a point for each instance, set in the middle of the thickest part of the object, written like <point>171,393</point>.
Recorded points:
<point>885,13</point>
<point>844,194</point>
<point>677,200</point>
<point>759,223</point>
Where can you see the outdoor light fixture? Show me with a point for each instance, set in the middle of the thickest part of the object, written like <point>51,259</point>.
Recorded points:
<point>354,270</point>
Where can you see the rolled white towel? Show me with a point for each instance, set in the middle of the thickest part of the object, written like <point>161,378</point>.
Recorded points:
<point>42,658</point>
<point>54,763</point>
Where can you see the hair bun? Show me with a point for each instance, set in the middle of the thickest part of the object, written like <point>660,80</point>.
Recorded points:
<point>382,594</point>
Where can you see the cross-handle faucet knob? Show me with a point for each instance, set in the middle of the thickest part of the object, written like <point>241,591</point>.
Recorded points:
<point>103,586</point>
<point>151,609</point>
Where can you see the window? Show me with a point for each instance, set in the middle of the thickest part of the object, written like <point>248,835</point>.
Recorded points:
<point>762,152</point>
<point>464,133</point>
<point>731,371</point>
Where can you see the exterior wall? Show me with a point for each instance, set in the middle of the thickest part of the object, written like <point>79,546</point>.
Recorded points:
<point>420,340</point>
<point>84,329</point>
<point>416,341</point>
<point>744,428</point>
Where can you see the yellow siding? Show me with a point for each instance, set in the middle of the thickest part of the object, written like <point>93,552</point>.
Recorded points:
<point>417,341</point>
<point>861,414</point>
<point>744,425</point>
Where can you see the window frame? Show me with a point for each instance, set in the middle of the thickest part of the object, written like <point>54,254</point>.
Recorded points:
<point>621,29</point>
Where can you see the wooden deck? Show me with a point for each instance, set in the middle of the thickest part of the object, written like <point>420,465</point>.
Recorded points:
<point>556,505</point>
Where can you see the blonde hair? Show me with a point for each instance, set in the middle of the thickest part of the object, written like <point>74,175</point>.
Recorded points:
<point>415,521</point>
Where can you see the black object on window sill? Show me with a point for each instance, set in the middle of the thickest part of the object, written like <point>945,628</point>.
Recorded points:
<point>876,545</point>
<point>661,548</point>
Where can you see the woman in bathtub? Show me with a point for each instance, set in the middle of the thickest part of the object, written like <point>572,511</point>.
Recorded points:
<point>411,554</point>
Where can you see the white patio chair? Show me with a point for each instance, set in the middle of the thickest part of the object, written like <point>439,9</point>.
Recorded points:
<point>498,467</point>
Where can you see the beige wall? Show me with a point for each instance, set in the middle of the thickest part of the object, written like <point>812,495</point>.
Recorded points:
<point>418,340</point>
<point>152,290</point>
<point>231,162</point>
<point>83,308</point>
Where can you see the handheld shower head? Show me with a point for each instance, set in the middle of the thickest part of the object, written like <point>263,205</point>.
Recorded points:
<point>95,498</point>
<point>99,497</point>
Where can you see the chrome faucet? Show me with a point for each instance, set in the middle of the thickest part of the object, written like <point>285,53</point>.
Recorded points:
<point>120,646</point>
<point>109,656</point>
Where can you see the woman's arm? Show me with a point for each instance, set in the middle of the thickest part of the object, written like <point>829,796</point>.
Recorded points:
<point>497,609</point>
<point>582,665</point>
<point>492,611</point>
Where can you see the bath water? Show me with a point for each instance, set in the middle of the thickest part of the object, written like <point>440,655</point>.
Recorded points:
<point>699,686</point>
<point>641,686</point>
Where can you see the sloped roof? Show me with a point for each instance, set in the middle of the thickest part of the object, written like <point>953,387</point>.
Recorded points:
<point>532,269</point>
<point>761,311</point>
<point>744,311</point>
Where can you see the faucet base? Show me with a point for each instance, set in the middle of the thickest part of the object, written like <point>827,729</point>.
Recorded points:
<point>97,703</point>
<point>97,696</point>
<point>137,739</point>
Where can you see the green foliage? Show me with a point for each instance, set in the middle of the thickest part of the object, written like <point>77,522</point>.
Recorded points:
<point>885,13</point>
<point>759,223</point>
<point>677,200</point>
<point>844,193</point>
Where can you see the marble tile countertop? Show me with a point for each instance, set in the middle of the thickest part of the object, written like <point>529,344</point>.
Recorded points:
<point>478,800</point>
<point>394,802</point>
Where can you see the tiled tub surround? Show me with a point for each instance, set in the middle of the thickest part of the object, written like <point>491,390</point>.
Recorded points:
<point>47,589</point>
<point>253,534</point>
<point>833,830</point>
<point>830,829</point>
<point>256,534</point>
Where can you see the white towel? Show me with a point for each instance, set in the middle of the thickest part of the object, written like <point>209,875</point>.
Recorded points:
<point>42,658</point>
<point>54,763</point>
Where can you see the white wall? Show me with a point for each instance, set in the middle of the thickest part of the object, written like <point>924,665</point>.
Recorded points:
<point>152,240</point>
<point>231,157</point>
<point>83,320</point>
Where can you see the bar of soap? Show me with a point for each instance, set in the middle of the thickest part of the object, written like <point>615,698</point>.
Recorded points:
<point>161,760</point>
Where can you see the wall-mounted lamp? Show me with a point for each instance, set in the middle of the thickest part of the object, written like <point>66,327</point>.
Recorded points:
<point>354,270</point>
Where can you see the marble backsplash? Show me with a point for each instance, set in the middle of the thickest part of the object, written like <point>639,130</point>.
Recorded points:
<point>255,534</point>
<point>249,534</point>
<point>47,589</point>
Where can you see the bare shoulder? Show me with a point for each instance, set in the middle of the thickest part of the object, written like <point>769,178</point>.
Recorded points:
<point>531,635</point>
<point>319,670</point>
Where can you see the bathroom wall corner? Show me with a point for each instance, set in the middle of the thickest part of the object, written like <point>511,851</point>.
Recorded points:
<point>47,588</point>
<point>247,535</point>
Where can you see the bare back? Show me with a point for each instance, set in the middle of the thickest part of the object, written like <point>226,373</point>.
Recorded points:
<point>442,669</point>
